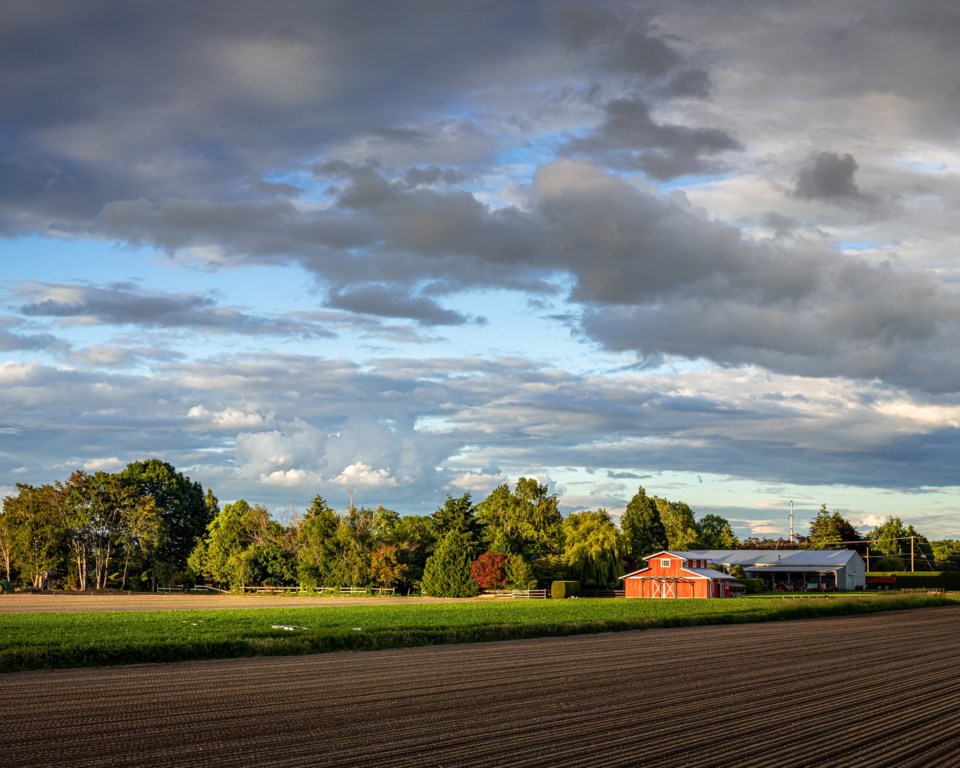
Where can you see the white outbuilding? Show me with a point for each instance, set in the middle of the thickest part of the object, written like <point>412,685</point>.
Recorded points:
<point>793,570</point>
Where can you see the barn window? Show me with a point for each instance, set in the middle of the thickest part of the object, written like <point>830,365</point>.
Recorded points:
<point>665,562</point>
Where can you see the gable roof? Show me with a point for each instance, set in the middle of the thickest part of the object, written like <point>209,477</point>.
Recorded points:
<point>758,560</point>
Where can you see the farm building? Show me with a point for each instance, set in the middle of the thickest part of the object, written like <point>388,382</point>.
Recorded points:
<point>688,574</point>
<point>794,569</point>
<point>677,574</point>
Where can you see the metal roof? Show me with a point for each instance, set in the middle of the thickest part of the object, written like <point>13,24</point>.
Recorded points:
<point>756,569</point>
<point>708,573</point>
<point>794,558</point>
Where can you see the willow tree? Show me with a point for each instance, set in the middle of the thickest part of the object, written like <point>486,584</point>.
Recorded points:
<point>595,549</point>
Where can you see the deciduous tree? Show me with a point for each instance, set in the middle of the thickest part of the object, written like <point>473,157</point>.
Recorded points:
<point>595,549</point>
<point>525,522</point>
<point>714,532</point>
<point>490,570</point>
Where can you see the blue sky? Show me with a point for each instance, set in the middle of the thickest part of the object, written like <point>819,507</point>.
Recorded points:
<point>312,249</point>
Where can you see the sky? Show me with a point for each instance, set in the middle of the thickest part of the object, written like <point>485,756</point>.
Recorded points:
<point>390,252</point>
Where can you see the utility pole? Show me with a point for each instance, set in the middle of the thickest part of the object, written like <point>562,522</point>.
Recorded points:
<point>911,553</point>
<point>791,521</point>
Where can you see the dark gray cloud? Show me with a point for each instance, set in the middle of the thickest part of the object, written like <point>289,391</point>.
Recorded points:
<point>625,40</point>
<point>653,273</point>
<point>393,164</point>
<point>829,176</point>
<point>115,103</point>
<point>125,304</point>
<point>384,301</point>
<point>630,138</point>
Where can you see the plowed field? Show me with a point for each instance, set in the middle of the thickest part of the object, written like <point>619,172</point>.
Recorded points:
<point>878,690</point>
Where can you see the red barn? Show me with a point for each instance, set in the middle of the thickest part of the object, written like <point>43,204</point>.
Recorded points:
<point>673,574</point>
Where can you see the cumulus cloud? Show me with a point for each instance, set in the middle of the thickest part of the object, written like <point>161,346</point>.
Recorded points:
<point>362,474</point>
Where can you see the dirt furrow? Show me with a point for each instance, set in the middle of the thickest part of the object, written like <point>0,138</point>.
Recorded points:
<point>806,693</point>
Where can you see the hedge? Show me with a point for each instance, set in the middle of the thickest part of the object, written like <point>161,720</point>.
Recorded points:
<point>562,589</point>
<point>947,580</point>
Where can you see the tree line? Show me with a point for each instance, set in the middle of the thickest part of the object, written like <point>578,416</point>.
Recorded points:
<point>149,525</point>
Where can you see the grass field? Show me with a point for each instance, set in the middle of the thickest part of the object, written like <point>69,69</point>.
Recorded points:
<point>51,640</point>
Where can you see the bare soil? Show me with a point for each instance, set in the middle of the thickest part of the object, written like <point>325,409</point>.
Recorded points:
<point>69,602</point>
<point>878,690</point>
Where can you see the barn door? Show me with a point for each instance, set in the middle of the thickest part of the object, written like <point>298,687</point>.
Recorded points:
<point>664,588</point>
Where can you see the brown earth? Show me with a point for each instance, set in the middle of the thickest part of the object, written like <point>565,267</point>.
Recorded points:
<point>878,690</point>
<point>69,602</point>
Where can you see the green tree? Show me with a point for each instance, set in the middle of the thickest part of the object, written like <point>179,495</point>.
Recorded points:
<point>229,553</point>
<point>39,540</point>
<point>457,514</point>
<point>316,544</point>
<point>141,532</point>
<point>946,553</point>
<point>520,573</point>
<point>643,530</point>
<point>525,522</point>
<point>447,572</point>
<point>830,530</point>
<point>180,504</point>
<point>387,568</point>
<point>679,524</point>
<point>354,543</point>
<point>71,503</point>
<point>7,532</point>
<point>890,538</point>
<point>824,533</point>
<point>595,549</point>
<point>714,532</point>
<point>415,541</point>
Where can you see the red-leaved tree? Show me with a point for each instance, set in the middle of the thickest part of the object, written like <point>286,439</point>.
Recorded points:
<point>490,570</point>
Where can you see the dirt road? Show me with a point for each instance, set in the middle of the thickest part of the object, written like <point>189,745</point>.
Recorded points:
<point>66,602</point>
<point>878,690</point>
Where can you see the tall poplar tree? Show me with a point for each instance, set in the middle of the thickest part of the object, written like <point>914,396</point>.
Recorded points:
<point>642,527</point>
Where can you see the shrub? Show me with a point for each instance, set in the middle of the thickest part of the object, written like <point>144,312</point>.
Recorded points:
<point>561,589</point>
<point>753,585</point>
<point>490,570</point>
<point>520,573</point>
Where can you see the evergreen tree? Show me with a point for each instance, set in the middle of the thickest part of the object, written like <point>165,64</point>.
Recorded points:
<point>447,572</point>
<point>315,539</point>
<point>642,527</point>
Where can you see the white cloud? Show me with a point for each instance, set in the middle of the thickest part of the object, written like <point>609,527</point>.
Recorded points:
<point>476,482</point>
<point>111,464</point>
<point>231,418</point>
<point>362,474</point>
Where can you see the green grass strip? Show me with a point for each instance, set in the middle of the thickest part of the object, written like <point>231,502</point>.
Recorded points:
<point>52,640</point>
